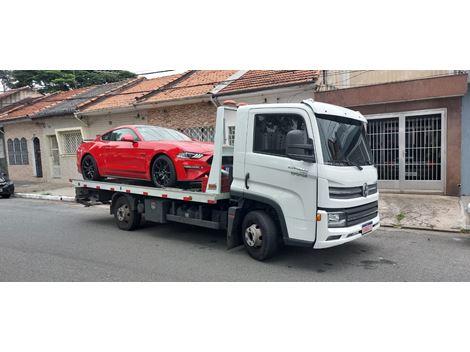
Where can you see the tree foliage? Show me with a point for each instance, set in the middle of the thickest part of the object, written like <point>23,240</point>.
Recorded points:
<point>47,81</point>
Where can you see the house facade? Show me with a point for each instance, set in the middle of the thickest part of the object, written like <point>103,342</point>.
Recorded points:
<point>414,129</point>
<point>465,158</point>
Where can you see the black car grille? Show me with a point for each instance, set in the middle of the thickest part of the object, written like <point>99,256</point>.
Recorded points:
<point>360,214</point>
<point>351,192</point>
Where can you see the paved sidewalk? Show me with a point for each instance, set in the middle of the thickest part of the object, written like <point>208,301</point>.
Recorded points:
<point>416,211</point>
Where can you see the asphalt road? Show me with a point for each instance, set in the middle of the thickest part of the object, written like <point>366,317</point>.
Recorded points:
<point>55,241</point>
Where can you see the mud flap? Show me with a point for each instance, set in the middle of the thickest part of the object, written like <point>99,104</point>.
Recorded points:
<point>234,238</point>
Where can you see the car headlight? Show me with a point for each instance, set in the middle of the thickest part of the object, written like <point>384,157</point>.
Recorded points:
<point>190,155</point>
<point>337,219</point>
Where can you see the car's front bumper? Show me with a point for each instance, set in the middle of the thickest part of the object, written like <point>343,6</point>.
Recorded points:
<point>7,189</point>
<point>330,237</point>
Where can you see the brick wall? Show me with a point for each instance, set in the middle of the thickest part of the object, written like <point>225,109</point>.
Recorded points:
<point>183,116</point>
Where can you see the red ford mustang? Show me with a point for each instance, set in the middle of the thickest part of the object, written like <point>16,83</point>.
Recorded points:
<point>157,154</point>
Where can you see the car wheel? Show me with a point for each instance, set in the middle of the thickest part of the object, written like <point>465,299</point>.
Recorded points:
<point>163,172</point>
<point>126,218</point>
<point>90,169</point>
<point>260,235</point>
<point>7,195</point>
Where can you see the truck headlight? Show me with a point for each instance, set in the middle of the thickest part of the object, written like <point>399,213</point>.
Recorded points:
<point>189,155</point>
<point>337,219</point>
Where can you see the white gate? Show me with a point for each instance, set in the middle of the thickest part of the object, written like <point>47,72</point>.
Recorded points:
<point>409,149</point>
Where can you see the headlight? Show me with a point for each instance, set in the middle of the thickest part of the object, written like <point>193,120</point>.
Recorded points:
<point>189,155</point>
<point>336,219</point>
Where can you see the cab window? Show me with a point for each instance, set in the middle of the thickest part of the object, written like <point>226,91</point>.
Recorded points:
<point>270,132</point>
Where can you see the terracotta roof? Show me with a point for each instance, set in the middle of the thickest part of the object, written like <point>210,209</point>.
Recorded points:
<point>196,84</point>
<point>128,96</point>
<point>263,79</point>
<point>31,108</point>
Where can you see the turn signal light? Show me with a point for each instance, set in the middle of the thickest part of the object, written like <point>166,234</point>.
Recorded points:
<point>318,217</point>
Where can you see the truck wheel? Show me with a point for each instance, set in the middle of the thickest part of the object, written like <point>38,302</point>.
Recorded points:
<point>260,235</point>
<point>126,218</point>
<point>163,172</point>
<point>90,169</point>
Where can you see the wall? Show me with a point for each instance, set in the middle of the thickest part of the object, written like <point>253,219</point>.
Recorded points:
<point>28,130</point>
<point>183,116</point>
<point>465,172</point>
<point>293,94</point>
<point>353,78</point>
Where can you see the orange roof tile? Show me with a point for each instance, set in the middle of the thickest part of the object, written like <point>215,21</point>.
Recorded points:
<point>32,107</point>
<point>197,84</point>
<point>262,79</point>
<point>128,96</point>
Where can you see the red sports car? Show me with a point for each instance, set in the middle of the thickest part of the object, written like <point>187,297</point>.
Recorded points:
<point>157,154</point>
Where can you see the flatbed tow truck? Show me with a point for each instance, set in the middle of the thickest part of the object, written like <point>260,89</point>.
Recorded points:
<point>297,174</point>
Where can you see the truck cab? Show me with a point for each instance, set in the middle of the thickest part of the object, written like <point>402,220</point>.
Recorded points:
<point>311,164</point>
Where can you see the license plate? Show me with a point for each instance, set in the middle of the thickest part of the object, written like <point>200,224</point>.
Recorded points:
<point>367,228</point>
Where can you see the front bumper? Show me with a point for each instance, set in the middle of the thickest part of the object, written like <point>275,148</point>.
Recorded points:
<point>7,189</point>
<point>330,237</point>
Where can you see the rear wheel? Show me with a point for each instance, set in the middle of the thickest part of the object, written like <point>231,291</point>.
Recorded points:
<point>163,172</point>
<point>6,195</point>
<point>260,235</point>
<point>90,169</point>
<point>126,218</point>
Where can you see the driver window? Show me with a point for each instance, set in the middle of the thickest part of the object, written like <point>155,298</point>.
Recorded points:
<point>270,132</point>
<point>116,135</point>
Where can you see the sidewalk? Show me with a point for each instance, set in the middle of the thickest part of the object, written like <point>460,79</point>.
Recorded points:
<point>428,212</point>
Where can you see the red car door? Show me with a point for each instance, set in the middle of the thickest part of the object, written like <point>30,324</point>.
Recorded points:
<point>123,158</point>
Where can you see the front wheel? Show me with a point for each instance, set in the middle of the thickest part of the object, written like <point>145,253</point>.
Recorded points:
<point>260,235</point>
<point>163,172</point>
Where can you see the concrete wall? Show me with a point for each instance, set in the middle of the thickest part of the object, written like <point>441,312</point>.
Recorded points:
<point>465,172</point>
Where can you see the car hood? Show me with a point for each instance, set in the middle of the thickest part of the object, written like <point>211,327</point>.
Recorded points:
<point>193,146</point>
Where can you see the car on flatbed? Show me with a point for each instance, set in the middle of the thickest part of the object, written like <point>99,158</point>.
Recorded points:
<point>161,155</point>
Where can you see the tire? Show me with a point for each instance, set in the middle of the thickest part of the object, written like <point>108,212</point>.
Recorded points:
<point>163,172</point>
<point>7,195</point>
<point>260,235</point>
<point>90,169</point>
<point>126,218</point>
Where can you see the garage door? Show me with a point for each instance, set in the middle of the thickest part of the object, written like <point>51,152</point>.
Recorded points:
<point>409,150</point>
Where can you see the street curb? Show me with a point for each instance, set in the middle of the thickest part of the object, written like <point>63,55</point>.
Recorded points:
<point>419,228</point>
<point>44,197</point>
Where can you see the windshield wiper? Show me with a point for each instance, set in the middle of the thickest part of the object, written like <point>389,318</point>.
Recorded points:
<point>350,163</point>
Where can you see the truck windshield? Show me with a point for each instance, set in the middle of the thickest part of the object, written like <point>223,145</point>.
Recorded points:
<point>344,141</point>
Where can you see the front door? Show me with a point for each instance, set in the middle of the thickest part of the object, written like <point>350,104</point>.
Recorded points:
<point>409,150</point>
<point>37,156</point>
<point>291,184</point>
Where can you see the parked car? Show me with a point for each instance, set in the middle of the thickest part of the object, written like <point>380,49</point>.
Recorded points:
<point>161,155</point>
<point>7,188</point>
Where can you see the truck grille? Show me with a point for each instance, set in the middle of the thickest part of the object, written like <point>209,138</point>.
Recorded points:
<point>361,213</point>
<point>351,192</point>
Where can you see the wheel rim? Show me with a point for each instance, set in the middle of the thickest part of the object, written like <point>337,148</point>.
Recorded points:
<point>88,168</point>
<point>162,172</point>
<point>253,236</point>
<point>123,213</point>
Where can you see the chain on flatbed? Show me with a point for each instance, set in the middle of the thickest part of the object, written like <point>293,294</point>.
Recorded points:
<point>169,193</point>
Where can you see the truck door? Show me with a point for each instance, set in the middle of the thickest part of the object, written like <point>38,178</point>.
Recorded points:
<point>270,173</point>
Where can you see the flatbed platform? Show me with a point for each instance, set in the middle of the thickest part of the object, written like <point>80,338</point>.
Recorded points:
<point>189,195</point>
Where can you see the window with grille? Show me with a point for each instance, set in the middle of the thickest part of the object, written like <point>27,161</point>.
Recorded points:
<point>18,151</point>
<point>203,134</point>
<point>70,141</point>
<point>231,135</point>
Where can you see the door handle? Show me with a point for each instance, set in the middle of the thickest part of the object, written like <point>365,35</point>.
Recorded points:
<point>247,176</point>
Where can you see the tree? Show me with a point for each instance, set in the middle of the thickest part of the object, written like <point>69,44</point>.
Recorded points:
<point>47,81</point>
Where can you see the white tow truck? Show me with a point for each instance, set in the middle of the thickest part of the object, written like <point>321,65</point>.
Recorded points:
<point>299,174</point>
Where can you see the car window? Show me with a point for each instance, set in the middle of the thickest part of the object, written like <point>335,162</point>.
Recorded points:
<point>271,130</point>
<point>153,133</point>
<point>106,137</point>
<point>116,135</point>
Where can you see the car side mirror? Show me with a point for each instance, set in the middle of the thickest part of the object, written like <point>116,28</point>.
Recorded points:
<point>127,138</point>
<point>298,147</point>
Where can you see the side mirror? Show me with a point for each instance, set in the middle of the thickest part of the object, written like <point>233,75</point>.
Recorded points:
<point>127,138</point>
<point>299,147</point>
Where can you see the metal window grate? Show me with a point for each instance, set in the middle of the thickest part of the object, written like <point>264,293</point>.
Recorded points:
<point>203,134</point>
<point>383,138</point>
<point>423,147</point>
<point>71,141</point>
